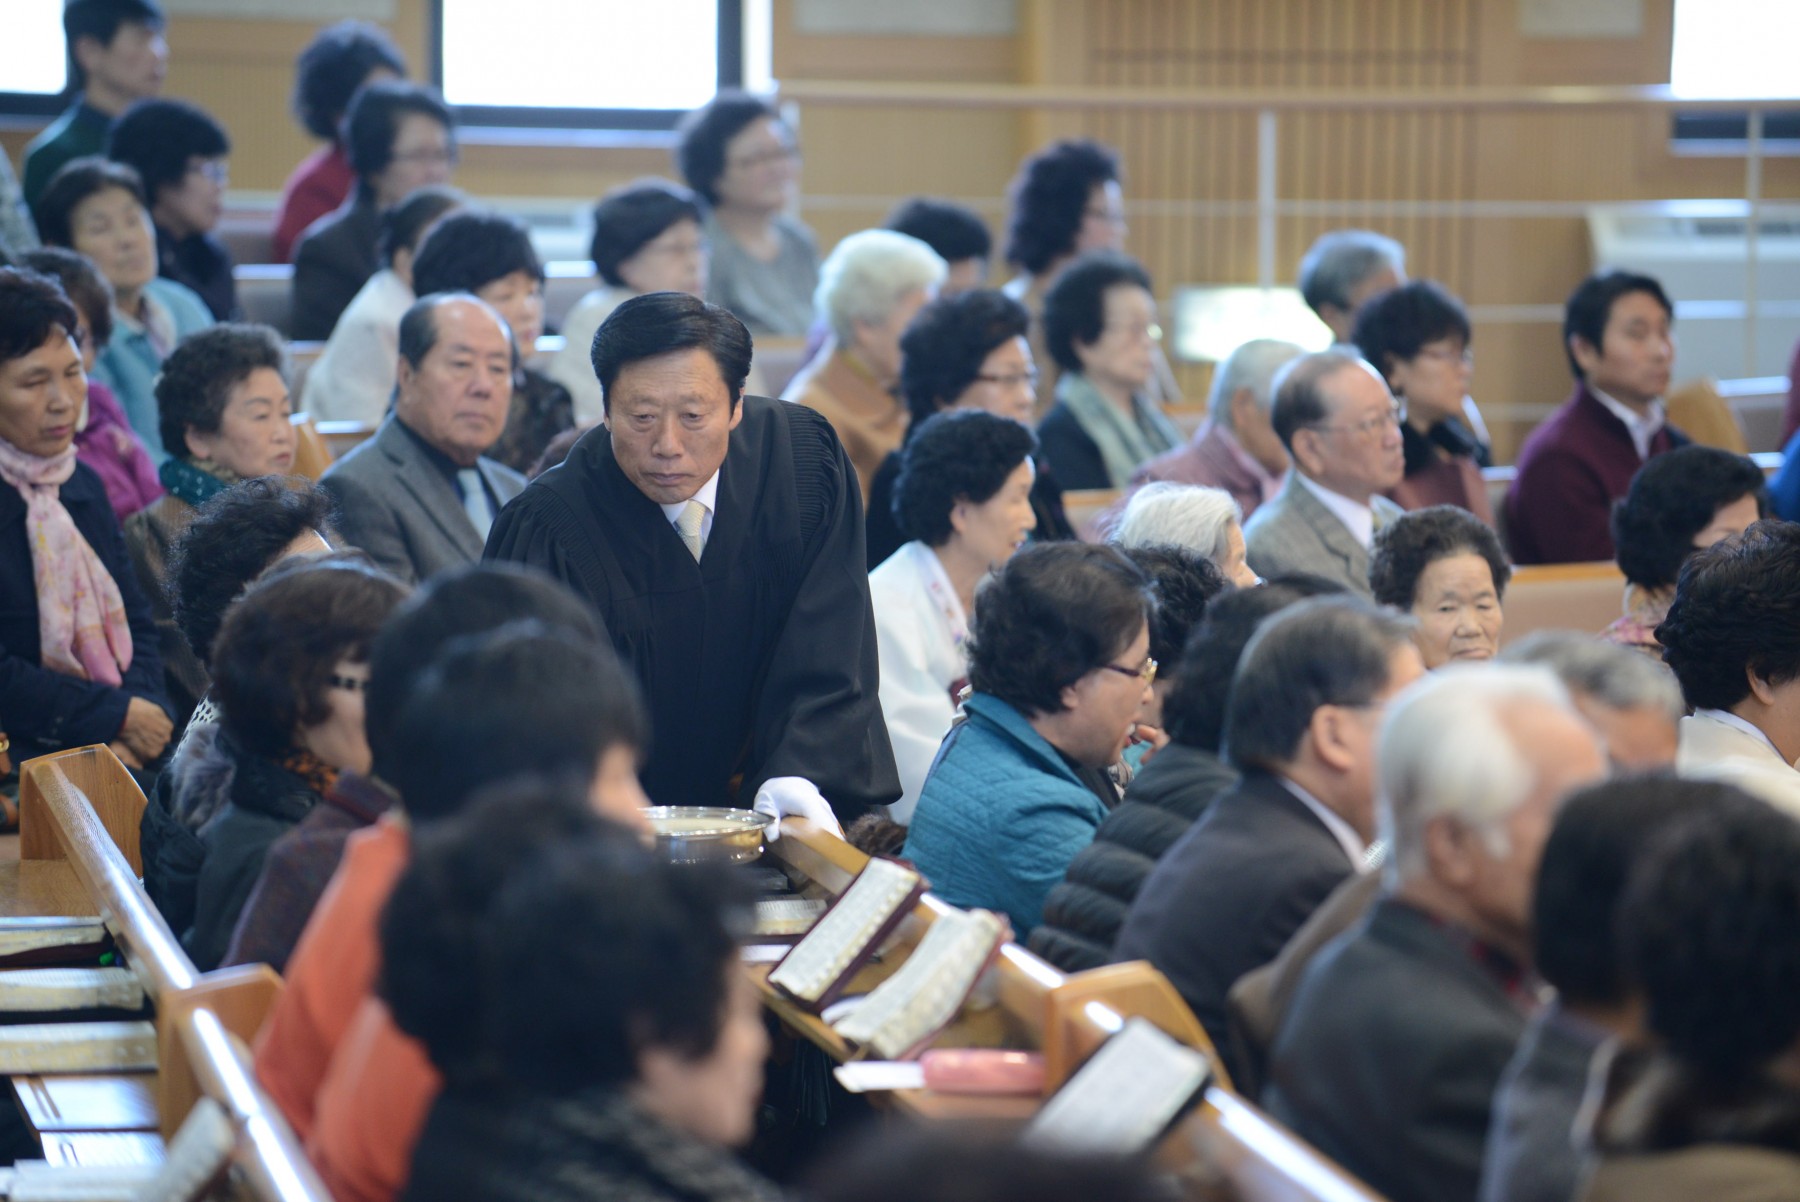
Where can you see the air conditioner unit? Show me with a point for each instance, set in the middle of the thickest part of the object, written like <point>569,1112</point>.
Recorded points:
<point>1698,250</point>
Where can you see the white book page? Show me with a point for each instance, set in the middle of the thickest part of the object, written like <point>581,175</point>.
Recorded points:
<point>926,991</point>
<point>836,939</point>
<point>1124,1095</point>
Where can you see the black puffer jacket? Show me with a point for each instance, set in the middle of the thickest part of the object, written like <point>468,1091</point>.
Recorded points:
<point>1083,914</point>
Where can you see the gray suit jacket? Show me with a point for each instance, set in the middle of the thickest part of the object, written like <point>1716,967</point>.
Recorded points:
<point>1296,533</point>
<point>395,505</point>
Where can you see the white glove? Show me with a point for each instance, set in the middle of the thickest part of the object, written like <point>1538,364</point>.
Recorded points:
<point>795,797</point>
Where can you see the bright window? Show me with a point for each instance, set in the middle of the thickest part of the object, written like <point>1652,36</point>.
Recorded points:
<point>33,67</point>
<point>586,63</point>
<point>1735,48</point>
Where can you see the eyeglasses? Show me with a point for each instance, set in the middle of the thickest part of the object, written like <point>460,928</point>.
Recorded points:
<point>1110,216</point>
<point>1466,356</point>
<point>211,169</point>
<point>1028,379</point>
<point>1146,673</point>
<point>350,684</point>
<point>766,158</point>
<point>1136,331</point>
<point>437,156</point>
<point>1369,425</point>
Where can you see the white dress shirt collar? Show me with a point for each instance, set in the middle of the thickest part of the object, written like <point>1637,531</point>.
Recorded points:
<point>1727,718</point>
<point>708,496</point>
<point>1357,517</point>
<point>1643,427</point>
<point>1355,850</point>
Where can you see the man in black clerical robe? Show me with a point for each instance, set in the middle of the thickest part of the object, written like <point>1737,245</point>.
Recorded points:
<point>720,538</point>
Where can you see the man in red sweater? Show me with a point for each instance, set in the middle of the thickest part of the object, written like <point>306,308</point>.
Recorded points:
<point>1616,329</point>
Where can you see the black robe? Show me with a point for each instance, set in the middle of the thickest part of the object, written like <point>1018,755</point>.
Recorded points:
<point>760,659</point>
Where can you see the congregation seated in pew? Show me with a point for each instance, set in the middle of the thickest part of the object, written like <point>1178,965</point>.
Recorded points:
<point>1389,1056</point>
<point>1299,727</point>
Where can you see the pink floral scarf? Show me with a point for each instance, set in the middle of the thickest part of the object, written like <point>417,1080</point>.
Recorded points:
<point>81,616</point>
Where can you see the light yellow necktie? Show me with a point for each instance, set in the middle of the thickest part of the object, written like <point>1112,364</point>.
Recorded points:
<point>688,526</point>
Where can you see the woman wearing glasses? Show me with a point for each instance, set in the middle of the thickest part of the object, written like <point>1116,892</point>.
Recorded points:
<point>1417,337</point>
<point>966,352</point>
<point>179,152</point>
<point>400,138</point>
<point>1059,659</point>
<point>740,156</point>
<point>1100,328</point>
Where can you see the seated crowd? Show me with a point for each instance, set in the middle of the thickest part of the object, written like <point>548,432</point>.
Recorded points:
<point>1476,919</point>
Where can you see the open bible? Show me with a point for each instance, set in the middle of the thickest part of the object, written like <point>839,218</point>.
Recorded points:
<point>816,969</point>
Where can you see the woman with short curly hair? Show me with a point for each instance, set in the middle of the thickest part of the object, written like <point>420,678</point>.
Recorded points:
<point>289,670</point>
<point>224,408</point>
<point>1060,663</point>
<point>1678,503</point>
<point>964,495</point>
<point>1445,567</point>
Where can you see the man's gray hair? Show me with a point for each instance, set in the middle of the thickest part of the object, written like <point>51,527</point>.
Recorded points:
<point>1252,366</point>
<point>1340,260</point>
<point>1167,514</point>
<point>1445,751</point>
<point>1617,677</point>
<point>866,276</point>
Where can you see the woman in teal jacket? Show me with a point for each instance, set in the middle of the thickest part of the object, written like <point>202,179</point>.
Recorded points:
<point>96,208</point>
<point>1061,669</point>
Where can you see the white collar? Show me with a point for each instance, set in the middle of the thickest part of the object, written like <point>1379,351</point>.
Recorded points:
<point>1355,850</point>
<point>1357,517</point>
<point>1727,718</point>
<point>1643,427</point>
<point>708,496</point>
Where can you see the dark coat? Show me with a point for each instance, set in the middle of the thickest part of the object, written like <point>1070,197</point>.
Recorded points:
<point>759,660</point>
<point>1083,914</point>
<point>266,802</point>
<point>1072,451</point>
<point>1390,1055</point>
<point>488,1145</point>
<point>297,868</point>
<point>45,711</point>
<point>188,793</point>
<point>1231,892</point>
<point>335,258</point>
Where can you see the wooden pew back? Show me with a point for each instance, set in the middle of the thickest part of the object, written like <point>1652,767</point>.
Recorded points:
<point>1565,596</point>
<point>1068,1017</point>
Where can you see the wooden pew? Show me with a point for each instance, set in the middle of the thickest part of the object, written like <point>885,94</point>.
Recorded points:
<point>1034,1006</point>
<point>77,811</point>
<point>1565,596</point>
<point>1086,507</point>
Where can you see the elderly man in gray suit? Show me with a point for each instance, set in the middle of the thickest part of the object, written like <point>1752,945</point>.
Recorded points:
<point>1390,1055</point>
<point>418,496</point>
<point>1341,428</point>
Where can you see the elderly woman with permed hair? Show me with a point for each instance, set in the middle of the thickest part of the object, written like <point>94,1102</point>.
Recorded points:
<point>872,285</point>
<point>1445,567</point>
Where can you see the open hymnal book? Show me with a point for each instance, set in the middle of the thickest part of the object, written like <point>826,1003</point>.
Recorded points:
<point>1123,1097</point>
<point>848,933</point>
<point>785,919</point>
<point>926,992</point>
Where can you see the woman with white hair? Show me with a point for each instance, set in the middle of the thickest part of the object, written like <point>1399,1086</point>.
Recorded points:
<point>1205,521</point>
<point>870,287</point>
